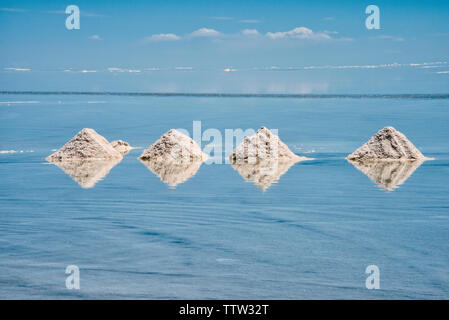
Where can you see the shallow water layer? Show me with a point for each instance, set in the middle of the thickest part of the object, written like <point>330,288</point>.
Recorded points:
<point>311,234</point>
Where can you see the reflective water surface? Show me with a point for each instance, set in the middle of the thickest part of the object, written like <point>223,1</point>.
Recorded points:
<point>206,232</point>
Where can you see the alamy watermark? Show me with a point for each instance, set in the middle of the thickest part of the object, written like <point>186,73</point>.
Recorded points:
<point>373,280</point>
<point>73,280</point>
<point>73,20</point>
<point>218,146</point>
<point>373,20</point>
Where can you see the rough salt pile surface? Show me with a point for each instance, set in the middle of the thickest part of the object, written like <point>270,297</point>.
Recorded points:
<point>85,145</point>
<point>261,146</point>
<point>387,144</point>
<point>121,146</point>
<point>173,146</point>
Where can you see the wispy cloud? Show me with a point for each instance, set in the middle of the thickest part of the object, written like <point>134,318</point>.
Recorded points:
<point>12,10</point>
<point>18,69</point>
<point>365,66</point>
<point>163,37</point>
<point>222,18</point>
<point>205,32</point>
<point>82,13</point>
<point>388,37</point>
<point>442,72</point>
<point>95,37</point>
<point>250,21</point>
<point>299,33</point>
<point>113,69</point>
<point>250,32</point>
<point>328,18</point>
<point>91,14</point>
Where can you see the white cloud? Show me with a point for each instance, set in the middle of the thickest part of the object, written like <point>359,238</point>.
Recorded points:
<point>328,18</point>
<point>250,32</point>
<point>82,13</point>
<point>95,37</point>
<point>222,18</point>
<point>164,37</point>
<point>442,72</point>
<point>250,21</point>
<point>18,69</point>
<point>392,38</point>
<point>12,10</point>
<point>205,32</point>
<point>299,33</point>
<point>113,69</point>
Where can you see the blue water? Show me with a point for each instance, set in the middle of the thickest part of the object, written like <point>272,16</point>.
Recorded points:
<point>310,235</point>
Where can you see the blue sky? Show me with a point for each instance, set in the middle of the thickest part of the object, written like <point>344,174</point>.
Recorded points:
<point>117,37</point>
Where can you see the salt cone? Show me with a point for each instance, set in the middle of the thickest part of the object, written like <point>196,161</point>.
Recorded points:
<point>387,144</point>
<point>85,145</point>
<point>173,146</point>
<point>262,146</point>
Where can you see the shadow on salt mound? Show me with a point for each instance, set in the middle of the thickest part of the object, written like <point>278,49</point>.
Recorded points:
<point>387,175</point>
<point>263,173</point>
<point>87,172</point>
<point>173,173</point>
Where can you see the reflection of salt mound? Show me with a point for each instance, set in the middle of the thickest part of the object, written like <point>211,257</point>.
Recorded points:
<point>261,146</point>
<point>87,172</point>
<point>121,146</point>
<point>173,173</point>
<point>173,146</point>
<point>263,173</point>
<point>388,174</point>
<point>387,144</point>
<point>86,144</point>
<point>263,158</point>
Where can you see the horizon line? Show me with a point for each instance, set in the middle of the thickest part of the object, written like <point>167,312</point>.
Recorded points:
<point>239,95</point>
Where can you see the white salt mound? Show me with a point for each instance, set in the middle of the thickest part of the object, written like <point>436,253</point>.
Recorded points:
<point>173,146</point>
<point>263,145</point>
<point>387,144</point>
<point>121,146</point>
<point>85,145</point>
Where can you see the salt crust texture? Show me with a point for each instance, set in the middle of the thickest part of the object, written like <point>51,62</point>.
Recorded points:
<point>85,145</point>
<point>174,146</point>
<point>121,146</point>
<point>261,146</point>
<point>387,144</point>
